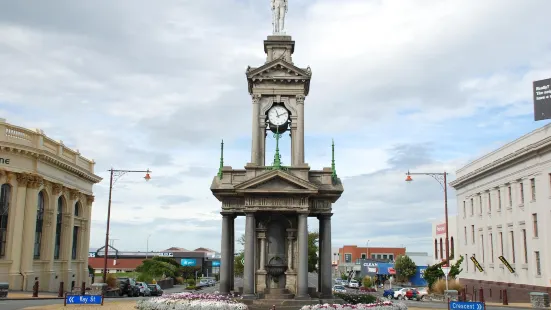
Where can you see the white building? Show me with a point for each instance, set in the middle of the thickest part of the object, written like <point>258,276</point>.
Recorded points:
<point>504,210</point>
<point>439,239</point>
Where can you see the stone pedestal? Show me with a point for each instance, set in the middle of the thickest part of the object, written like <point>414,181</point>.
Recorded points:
<point>539,300</point>
<point>291,281</point>
<point>261,276</point>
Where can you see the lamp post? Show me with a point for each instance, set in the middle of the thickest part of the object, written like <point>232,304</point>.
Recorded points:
<point>147,246</point>
<point>115,176</point>
<point>440,177</point>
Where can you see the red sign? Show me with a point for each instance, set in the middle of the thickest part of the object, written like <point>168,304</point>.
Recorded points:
<point>441,229</point>
<point>391,270</point>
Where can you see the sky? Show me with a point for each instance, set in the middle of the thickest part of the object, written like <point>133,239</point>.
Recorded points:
<point>424,86</point>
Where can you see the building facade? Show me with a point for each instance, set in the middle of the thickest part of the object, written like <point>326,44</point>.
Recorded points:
<point>439,239</point>
<point>504,212</point>
<point>45,210</point>
<point>350,257</point>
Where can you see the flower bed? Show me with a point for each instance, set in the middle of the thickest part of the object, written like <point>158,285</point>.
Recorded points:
<point>190,301</point>
<point>385,305</point>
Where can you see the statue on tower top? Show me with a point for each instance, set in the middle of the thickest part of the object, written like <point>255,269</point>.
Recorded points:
<point>279,9</point>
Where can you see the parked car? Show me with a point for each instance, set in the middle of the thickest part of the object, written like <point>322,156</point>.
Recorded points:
<point>203,282</point>
<point>388,293</point>
<point>423,293</point>
<point>128,287</point>
<point>412,294</point>
<point>144,289</point>
<point>155,289</point>
<point>339,289</point>
<point>354,284</point>
<point>399,292</point>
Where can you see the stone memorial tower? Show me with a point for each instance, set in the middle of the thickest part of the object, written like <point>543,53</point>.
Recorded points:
<point>277,199</point>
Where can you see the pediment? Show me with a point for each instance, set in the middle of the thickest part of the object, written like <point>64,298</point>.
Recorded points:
<point>279,69</point>
<point>275,182</point>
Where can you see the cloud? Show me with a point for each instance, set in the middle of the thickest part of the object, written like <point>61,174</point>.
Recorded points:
<point>398,85</point>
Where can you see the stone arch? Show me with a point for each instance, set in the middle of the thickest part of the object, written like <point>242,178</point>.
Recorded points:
<point>77,208</point>
<point>441,249</point>
<point>435,248</point>
<point>267,104</point>
<point>41,203</point>
<point>452,245</point>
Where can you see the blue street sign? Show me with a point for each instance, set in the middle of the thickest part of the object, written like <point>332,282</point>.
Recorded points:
<point>83,300</point>
<point>465,305</point>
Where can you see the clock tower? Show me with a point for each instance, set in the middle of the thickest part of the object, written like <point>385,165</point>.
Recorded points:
<point>277,199</point>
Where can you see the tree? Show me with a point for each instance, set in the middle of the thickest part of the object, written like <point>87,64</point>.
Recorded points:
<point>405,268</point>
<point>157,268</point>
<point>238,267</point>
<point>434,272</point>
<point>313,248</point>
<point>188,272</point>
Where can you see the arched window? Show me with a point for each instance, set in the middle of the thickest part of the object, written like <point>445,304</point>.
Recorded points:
<point>435,249</point>
<point>5,195</point>
<point>441,249</point>
<point>39,222</point>
<point>77,208</point>
<point>58,227</point>
<point>452,247</point>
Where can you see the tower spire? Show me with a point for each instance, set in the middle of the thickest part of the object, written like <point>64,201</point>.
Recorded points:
<point>221,160</point>
<point>333,170</point>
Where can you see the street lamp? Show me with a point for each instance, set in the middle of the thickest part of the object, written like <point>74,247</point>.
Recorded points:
<point>115,176</point>
<point>440,177</point>
<point>147,246</point>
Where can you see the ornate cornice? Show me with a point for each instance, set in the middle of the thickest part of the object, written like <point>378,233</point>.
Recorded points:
<point>59,162</point>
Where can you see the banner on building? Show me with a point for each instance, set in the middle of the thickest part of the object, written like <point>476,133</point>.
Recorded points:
<point>542,99</point>
<point>441,229</point>
<point>476,264</point>
<point>506,263</point>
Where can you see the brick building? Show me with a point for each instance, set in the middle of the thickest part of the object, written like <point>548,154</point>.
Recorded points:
<point>349,256</point>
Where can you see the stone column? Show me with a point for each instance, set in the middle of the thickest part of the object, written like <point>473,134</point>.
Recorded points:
<point>302,287</point>
<point>50,224</point>
<point>262,137</point>
<point>232,253</point>
<point>249,270</point>
<point>255,147</point>
<point>17,211</point>
<point>300,129</point>
<point>320,251</point>
<point>262,237</point>
<point>290,247</point>
<point>325,255</point>
<point>226,259</point>
<point>67,239</point>
<point>29,226</point>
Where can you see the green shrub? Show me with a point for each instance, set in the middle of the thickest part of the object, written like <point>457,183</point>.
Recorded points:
<point>179,280</point>
<point>367,282</point>
<point>142,277</point>
<point>353,298</point>
<point>190,282</point>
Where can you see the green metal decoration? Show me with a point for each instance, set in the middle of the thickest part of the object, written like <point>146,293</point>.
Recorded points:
<point>277,164</point>
<point>221,160</point>
<point>333,170</point>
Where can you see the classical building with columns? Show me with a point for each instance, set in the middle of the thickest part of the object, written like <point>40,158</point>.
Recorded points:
<point>45,210</point>
<point>277,199</point>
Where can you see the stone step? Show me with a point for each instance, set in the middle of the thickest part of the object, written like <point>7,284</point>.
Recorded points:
<point>277,291</point>
<point>296,303</point>
<point>275,296</point>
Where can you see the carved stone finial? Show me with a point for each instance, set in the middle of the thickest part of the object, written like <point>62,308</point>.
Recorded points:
<point>90,199</point>
<point>309,71</point>
<point>300,99</point>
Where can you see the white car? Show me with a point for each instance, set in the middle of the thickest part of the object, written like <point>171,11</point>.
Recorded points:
<point>354,284</point>
<point>339,289</point>
<point>144,289</point>
<point>400,293</point>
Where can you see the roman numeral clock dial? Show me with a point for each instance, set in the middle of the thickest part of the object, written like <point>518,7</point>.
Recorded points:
<point>278,117</point>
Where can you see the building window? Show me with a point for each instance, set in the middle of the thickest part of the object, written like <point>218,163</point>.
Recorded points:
<point>489,202</point>
<point>58,228</point>
<point>364,256</point>
<point>441,249</point>
<point>385,256</point>
<point>521,192</point>
<point>74,251</point>
<point>474,266</point>
<point>538,263</point>
<point>501,242</point>
<point>525,246</point>
<point>533,188</point>
<point>512,246</point>
<point>472,206</point>
<point>482,247</point>
<point>510,194</point>
<point>452,247</point>
<point>347,258</point>
<point>499,199</point>
<point>465,231</point>
<point>472,232</point>
<point>480,203</point>
<point>77,208</point>
<point>467,262</point>
<point>373,256</point>
<point>535,224</point>
<point>435,249</point>
<point>492,248</point>
<point>5,195</point>
<point>378,256</point>
<point>39,222</point>
<point>464,209</point>
<point>391,257</point>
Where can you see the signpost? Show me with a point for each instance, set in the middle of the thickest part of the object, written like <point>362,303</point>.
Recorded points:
<point>83,300</point>
<point>446,271</point>
<point>466,305</point>
<point>542,99</point>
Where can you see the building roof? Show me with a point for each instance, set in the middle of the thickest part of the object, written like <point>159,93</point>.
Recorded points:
<point>204,250</point>
<point>119,264</point>
<point>176,249</point>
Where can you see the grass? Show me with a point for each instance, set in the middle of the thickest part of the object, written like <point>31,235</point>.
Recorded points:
<point>116,305</point>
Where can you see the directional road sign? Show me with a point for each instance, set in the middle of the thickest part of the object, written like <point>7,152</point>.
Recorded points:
<point>83,300</point>
<point>465,305</point>
<point>445,270</point>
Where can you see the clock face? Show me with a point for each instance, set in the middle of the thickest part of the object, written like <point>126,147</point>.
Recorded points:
<point>278,115</point>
